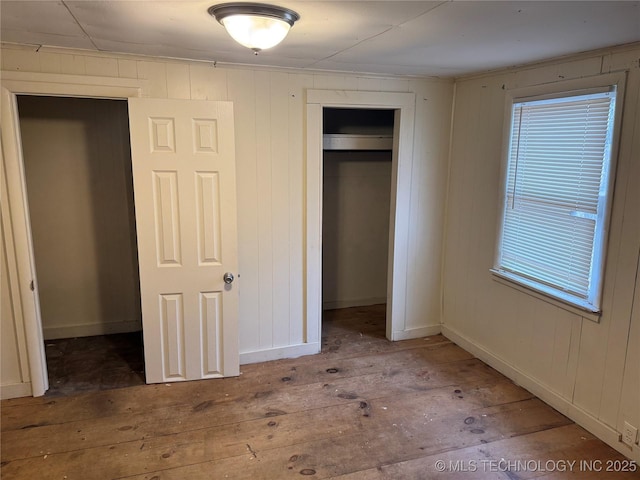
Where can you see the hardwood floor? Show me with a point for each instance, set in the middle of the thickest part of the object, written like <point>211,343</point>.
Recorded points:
<point>363,409</point>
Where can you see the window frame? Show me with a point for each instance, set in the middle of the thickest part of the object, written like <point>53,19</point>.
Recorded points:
<point>591,310</point>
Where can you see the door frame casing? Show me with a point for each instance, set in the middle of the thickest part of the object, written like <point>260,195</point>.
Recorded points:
<point>404,119</point>
<point>23,83</point>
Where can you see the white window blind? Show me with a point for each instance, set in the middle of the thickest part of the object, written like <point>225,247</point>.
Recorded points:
<point>556,193</point>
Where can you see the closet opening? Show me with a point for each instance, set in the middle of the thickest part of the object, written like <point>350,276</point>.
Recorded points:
<point>78,176</point>
<point>357,164</point>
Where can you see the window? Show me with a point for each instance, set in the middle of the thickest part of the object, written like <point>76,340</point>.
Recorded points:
<point>557,192</point>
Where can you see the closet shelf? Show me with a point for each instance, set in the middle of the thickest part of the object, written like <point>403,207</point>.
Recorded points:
<point>339,141</point>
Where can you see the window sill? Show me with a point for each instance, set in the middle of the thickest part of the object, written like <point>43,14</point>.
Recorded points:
<point>530,288</point>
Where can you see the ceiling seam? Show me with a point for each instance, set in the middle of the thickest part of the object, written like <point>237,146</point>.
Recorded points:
<point>379,34</point>
<point>79,25</point>
<point>352,46</point>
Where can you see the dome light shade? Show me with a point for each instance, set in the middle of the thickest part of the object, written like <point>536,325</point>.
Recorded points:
<point>255,25</point>
<point>256,32</point>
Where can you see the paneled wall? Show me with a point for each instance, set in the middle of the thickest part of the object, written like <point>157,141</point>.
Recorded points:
<point>585,369</point>
<point>78,174</point>
<point>269,109</point>
<point>355,227</point>
<point>14,371</point>
<point>14,378</point>
<point>10,371</point>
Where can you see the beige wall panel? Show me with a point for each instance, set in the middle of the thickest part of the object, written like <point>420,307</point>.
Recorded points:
<point>208,82</point>
<point>280,221</point>
<point>127,68</point>
<point>629,404</point>
<point>428,197</point>
<point>73,64</point>
<point>623,59</point>
<point>555,72</point>
<point>178,83</point>
<point>590,373</point>
<point>20,59</point>
<point>10,372</point>
<point>370,84</point>
<point>243,95</point>
<point>356,209</point>
<point>50,63</point>
<point>155,73</point>
<point>102,67</point>
<point>264,169</point>
<point>335,82</point>
<point>564,354</point>
<point>454,311</point>
<point>14,363</point>
<point>562,373</point>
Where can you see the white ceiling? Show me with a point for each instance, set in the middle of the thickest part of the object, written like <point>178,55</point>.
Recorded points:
<point>391,37</point>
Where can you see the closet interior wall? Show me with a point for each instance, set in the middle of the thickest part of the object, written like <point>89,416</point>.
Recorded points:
<point>78,173</point>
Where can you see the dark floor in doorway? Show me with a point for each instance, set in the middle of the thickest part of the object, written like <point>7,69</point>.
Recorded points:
<point>100,362</point>
<point>363,325</point>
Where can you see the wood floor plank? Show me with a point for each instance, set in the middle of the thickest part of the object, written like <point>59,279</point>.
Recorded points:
<point>534,455</point>
<point>350,453</point>
<point>364,409</point>
<point>268,376</point>
<point>262,381</point>
<point>395,429</point>
<point>230,409</point>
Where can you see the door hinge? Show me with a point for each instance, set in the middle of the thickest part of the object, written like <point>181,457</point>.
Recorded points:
<point>32,286</point>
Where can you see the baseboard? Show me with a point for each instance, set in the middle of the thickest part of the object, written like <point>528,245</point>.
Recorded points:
<point>90,329</point>
<point>362,302</point>
<point>291,351</point>
<point>15,390</point>
<point>416,332</point>
<point>581,417</point>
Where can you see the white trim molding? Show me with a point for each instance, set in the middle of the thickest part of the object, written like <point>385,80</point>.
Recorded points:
<point>419,332</point>
<point>404,106</point>
<point>91,329</point>
<point>13,84</point>
<point>71,85</point>
<point>361,302</point>
<point>291,351</point>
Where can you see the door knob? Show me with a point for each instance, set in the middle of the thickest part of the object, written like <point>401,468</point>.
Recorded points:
<point>228,278</point>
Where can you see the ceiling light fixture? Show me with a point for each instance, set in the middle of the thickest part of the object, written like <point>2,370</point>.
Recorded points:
<point>257,26</point>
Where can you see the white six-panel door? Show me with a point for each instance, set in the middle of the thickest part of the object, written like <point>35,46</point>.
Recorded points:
<point>183,158</point>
